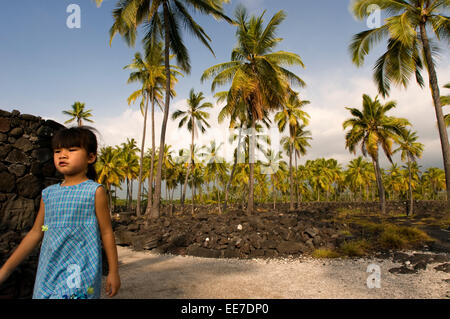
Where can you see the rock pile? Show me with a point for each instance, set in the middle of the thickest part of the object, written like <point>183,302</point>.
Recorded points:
<point>26,167</point>
<point>267,234</point>
<point>413,263</point>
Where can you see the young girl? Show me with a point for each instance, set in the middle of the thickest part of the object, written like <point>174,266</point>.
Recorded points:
<point>72,217</point>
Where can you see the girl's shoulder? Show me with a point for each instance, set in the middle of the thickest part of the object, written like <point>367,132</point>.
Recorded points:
<point>92,186</point>
<point>50,187</point>
<point>47,190</point>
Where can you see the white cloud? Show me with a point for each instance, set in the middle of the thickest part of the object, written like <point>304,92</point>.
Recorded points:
<point>328,99</point>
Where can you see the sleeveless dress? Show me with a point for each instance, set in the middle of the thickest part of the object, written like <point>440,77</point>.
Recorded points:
<point>70,260</point>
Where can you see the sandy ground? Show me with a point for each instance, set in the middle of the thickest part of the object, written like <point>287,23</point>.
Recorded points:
<point>150,275</point>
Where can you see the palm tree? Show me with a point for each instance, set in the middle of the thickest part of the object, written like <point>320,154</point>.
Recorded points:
<point>358,175</point>
<point>215,166</point>
<point>78,113</point>
<point>299,143</point>
<point>394,182</point>
<point>194,117</point>
<point>435,180</point>
<point>410,149</point>
<point>292,114</point>
<point>163,19</point>
<point>151,74</point>
<point>409,49</point>
<point>373,128</point>
<point>109,170</point>
<point>272,167</point>
<point>130,166</point>
<point>257,75</point>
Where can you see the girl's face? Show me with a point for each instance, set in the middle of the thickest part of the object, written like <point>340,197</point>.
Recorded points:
<point>72,161</point>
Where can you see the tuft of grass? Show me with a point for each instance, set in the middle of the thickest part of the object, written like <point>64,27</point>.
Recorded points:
<point>355,248</point>
<point>400,237</point>
<point>370,227</point>
<point>345,233</point>
<point>325,253</point>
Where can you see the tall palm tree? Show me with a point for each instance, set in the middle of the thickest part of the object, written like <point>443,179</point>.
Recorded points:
<point>195,118</point>
<point>78,113</point>
<point>256,73</point>
<point>410,149</point>
<point>163,19</point>
<point>409,49</point>
<point>150,72</point>
<point>292,115</point>
<point>373,128</point>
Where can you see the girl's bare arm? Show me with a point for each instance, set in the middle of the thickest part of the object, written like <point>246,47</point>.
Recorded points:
<point>109,244</point>
<point>26,246</point>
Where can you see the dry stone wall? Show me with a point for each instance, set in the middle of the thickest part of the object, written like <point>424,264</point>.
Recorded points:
<point>26,168</point>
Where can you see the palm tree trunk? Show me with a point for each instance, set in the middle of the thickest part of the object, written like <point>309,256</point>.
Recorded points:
<point>273,193</point>
<point>193,194</point>
<point>165,182</point>
<point>191,164</point>
<point>232,170</point>
<point>410,189</point>
<point>218,195</point>
<point>380,186</point>
<point>437,106</point>
<point>131,194</point>
<point>157,196</point>
<point>150,181</point>
<point>184,189</point>
<point>291,180</point>
<point>128,196</point>
<point>251,154</point>
<point>138,204</point>
<point>296,182</point>
<point>115,196</point>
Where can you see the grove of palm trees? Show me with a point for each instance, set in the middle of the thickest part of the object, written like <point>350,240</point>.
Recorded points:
<point>260,88</point>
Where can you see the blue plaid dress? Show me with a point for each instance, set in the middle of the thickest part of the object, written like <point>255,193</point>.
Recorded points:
<point>70,261</point>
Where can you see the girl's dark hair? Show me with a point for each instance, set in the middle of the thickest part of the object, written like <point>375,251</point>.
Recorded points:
<point>79,136</point>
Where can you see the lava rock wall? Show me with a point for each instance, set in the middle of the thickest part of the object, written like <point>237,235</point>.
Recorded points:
<point>26,168</point>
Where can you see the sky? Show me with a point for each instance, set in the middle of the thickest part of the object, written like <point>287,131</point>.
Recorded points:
<point>47,66</point>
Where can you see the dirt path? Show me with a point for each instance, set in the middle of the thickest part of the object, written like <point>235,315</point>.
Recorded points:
<point>150,275</point>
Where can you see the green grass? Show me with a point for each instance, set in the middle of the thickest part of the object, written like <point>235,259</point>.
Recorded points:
<point>401,237</point>
<point>325,253</point>
<point>345,233</point>
<point>355,248</point>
